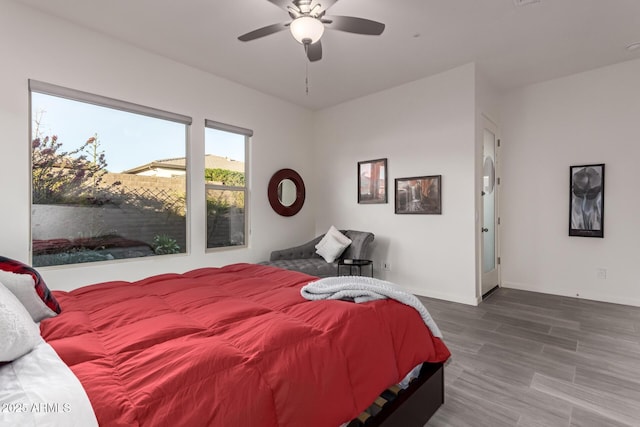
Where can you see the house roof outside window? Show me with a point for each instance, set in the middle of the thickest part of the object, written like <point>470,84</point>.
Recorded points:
<point>176,166</point>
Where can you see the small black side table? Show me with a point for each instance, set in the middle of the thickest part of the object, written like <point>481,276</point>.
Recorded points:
<point>354,264</point>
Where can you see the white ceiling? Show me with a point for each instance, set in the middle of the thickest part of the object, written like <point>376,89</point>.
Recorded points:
<point>511,45</point>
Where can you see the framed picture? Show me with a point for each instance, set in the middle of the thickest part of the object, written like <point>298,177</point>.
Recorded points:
<point>419,195</point>
<point>586,200</point>
<point>372,181</point>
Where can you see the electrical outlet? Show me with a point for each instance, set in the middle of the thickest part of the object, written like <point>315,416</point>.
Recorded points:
<point>386,265</point>
<point>601,273</point>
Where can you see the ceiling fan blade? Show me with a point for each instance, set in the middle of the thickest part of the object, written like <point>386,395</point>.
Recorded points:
<point>351,24</point>
<point>264,31</point>
<point>314,51</point>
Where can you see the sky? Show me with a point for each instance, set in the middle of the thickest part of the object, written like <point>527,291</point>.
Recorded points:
<point>128,140</point>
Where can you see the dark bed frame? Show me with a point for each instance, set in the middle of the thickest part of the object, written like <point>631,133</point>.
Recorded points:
<point>411,407</point>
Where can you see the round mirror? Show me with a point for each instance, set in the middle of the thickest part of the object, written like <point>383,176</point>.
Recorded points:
<point>286,192</point>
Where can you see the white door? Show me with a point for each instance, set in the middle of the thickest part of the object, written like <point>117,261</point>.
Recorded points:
<point>490,266</point>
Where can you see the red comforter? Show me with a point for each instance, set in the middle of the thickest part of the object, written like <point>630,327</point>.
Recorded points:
<point>233,346</point>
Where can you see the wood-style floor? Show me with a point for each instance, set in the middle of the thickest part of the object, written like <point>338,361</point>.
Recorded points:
<point>528,359</point>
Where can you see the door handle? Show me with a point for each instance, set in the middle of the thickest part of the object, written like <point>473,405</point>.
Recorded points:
<point>484,230</point>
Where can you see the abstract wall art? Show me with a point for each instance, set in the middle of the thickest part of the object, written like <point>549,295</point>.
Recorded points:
<point>586,201</point>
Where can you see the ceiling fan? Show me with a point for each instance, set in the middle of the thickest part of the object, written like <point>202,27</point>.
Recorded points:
<point>309,22</point>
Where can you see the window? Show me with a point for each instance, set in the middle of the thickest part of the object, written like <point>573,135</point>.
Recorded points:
<point>108,178</point>
<point>226,184</point>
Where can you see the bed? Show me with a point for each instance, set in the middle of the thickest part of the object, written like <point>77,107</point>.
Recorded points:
<point>239,346</point>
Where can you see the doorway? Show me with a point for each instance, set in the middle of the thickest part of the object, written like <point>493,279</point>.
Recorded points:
<point>490,219</point>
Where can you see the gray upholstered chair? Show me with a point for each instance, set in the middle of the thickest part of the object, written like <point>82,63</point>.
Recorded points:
<point>304,258</point>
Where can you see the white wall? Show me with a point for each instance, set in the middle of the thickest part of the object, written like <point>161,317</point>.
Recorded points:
<point>426,127</point>
<point>592,117</point>
<point>35,46</point>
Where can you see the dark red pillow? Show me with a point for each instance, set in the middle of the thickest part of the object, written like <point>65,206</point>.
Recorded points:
<point>50,305</point>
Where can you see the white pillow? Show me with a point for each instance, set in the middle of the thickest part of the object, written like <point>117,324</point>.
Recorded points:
<point>332,245</point>
<point>19,332</point>
<point>23,287</point>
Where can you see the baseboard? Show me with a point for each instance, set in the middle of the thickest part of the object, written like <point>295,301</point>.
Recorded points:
<point>441,295</point>
<point>591,296</point>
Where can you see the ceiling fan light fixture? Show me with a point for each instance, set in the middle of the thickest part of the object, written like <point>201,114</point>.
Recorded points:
<point>306,30</point>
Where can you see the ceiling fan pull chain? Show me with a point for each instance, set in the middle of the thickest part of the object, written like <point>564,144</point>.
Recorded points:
<point>306,76</point>
<point>306,70</point>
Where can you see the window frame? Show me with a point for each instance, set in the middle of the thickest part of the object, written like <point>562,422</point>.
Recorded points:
<point>247,133</point>
<point>115,104</point>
